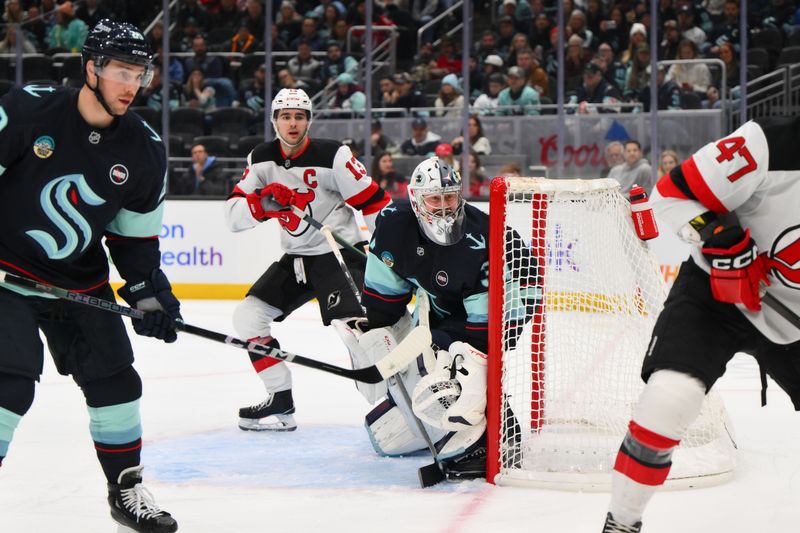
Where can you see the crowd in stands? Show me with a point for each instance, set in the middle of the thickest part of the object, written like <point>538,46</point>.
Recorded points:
<point>512,63</point>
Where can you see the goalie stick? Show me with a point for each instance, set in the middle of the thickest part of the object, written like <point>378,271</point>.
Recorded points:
<point>395,361</point>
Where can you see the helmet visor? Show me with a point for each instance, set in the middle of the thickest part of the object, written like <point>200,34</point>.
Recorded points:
<point>125,73</point>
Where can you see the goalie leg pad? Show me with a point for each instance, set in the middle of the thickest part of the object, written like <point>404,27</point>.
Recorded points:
<point>389,433</point>
<point>366,349</point>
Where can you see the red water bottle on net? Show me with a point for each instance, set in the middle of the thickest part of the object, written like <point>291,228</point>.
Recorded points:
<point>642,214</point>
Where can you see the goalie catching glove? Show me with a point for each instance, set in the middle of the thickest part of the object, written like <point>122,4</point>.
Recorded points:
<point>453,396</point>
<point>738,273</point>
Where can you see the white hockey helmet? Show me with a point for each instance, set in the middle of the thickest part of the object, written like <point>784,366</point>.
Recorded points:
<point>290,99</point>
<point>437,199</point>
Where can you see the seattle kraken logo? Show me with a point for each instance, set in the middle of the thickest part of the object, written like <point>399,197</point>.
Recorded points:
<point>61,190</point>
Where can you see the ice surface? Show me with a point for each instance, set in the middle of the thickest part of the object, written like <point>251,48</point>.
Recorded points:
<point>324,477</point>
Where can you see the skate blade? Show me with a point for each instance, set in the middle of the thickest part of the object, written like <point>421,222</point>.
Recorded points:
<point>269,423</point>
<point>430,475</point>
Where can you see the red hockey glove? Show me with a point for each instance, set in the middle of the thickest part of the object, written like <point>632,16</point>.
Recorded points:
<point>737,271</point>
<point>275,193</point>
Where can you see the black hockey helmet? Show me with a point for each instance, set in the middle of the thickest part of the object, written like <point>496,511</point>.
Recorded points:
<point>117,40</point>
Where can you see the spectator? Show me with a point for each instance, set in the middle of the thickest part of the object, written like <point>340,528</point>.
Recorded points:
<point>446,61</point>
<point>687,26</point>
<point>69,32</point>
<point>309,34</point>
<point>506,32</point>
<point>519,10</point>
<point>637,37</point>
<point>13,13</point>
<point>477,139</point>
<point>336,63</point>
<point>212,66</point>
<point>478,181</point>
<point>190,10</point>
<point>444,151</point>
<point>91,12</point>
<point>668,49</point>
<point>635,169</point>
<point>667,162</point>
<point>540,34</point>
<point>510,170</point>
<point>254,17</point>
<point>380,141</point>
<point>574,62</point>
<point>209,176</point>
<point>175,68</point>
<point>614,155</point>
<point>614,71</point>
<point>277,43</point>
<point>197,92</point>
<point>303,66</point>
<point>535,75</point>
<point>669,94</point>
<point>330,15</point>
<point>406,94</point>
<point>728,56</point>
<point>486,103</point>
<point>36,27</point>
<point>637,77</point>
<point>251,92</point>
<point>340,30</point>
<point>486,46</point>
<point>287,81</point>
<point>518,98</point>
<point>493,64</point>
<point>518,42</point>
<point>712,100</point>
<point>151,96</point>
<point>614,31</point>
<point>577,26</point>
<point>229,16</point>
<point>694,77</point>
<point>450,101</point>
<point>243,41</point>
<point>387,88</point>
<point>387,178</point>
<point>349,96</point>
<point>595,94</point>
<point>9,43</point>
<point>422,142</point>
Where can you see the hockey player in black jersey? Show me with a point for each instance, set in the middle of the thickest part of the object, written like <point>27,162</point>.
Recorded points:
<point>735,201</point>
<point>75,168</point>
<point>436,243</point>
<point>321,178</point>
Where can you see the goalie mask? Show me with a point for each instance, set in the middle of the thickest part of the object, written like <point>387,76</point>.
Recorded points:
<point>290,99</point>
<point>437,200</point>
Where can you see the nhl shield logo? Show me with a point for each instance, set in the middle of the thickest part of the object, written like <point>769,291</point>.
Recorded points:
<point>94,137</point>
<point>442,278</point>
<point>118,174</point>
<point>420,251</point>
<point>44,146</point>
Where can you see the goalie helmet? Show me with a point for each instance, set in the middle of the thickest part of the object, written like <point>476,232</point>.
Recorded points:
<point>437,200</point>
<point>290,99</point>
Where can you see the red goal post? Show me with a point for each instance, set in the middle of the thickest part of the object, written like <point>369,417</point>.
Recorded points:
<point>573,297</point>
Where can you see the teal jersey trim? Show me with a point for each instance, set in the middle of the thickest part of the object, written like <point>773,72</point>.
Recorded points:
<point>2,170</point>
<point>382,279</point>
<point>477,307</point>
<point>8,423</point>
<point>115,424</point>
<point>133,224</point>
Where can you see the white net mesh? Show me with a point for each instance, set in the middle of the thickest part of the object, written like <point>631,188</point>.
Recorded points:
<point>571,380</point>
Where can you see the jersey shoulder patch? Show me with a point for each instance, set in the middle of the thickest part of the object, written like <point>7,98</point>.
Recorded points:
<point>782,134</point>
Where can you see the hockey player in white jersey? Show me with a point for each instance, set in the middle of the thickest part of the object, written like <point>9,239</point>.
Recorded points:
<point>735,200</point>
<point>323,179</point>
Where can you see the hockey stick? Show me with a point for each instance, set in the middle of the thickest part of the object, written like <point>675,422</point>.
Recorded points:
<point>395,361</point>
<point>780,308</point>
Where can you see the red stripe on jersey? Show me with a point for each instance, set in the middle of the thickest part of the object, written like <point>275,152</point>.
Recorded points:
<point>119,450</point>
<point>384,298</point>
<point>651,439</point>
<point>374,207</point>
<point>667,188</point>
<point>698,185</point>
<point>298,154</point>
<point>115,237</point>
<point>264,363</point>
<point>646,475</point>
<point>237,190</point>
<point>477,328</point>
<point>363,196</point>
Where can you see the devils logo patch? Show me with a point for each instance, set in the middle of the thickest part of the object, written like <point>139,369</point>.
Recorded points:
<point>784,258</point>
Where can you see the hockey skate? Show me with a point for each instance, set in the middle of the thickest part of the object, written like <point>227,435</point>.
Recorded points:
<point>273,414</point>
<point>612,526</point>
<point>133,507</point>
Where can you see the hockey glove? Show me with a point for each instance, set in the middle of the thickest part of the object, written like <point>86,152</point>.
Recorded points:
<point>155,298</point>
<point>272,194</point>
<point>737,271</point>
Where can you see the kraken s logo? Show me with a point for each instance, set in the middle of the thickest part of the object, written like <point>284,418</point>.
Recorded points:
<point>64,191</point>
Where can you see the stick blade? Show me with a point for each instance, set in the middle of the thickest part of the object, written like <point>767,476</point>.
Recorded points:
<point>430,475</point>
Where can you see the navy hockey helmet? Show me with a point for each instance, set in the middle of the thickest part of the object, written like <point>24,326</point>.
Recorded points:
<point>121,41</point>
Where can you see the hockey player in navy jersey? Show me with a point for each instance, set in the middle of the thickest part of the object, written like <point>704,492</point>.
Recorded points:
<point>323,179</point>
<point>436,243</point>
<point>735,201</point>
<point>75,168</point>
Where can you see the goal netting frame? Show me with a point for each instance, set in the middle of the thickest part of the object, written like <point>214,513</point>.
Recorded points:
<point>569,325</point>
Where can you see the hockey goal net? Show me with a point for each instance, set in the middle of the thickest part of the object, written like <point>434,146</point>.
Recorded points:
<point>573,297</point>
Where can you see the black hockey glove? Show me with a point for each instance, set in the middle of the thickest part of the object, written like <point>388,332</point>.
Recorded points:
<point>155,298</point>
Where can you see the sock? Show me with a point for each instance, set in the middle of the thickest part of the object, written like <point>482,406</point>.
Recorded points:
<point>117,434</point>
